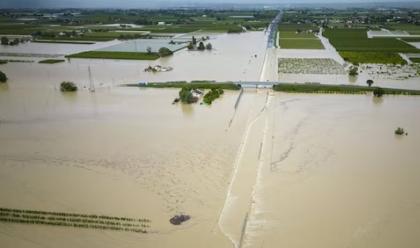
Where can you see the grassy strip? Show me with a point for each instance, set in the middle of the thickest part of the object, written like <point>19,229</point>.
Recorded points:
<point>300,43</point>
<point>194,84</point>
<point>74,220</point>
<point>114,55</point>
<point>373,57</point>
<point>415,60</point>
<point>64,42</point>
<point>51,61</point>
<point>340,89</point>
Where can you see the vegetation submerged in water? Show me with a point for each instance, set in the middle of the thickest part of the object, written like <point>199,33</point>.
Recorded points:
<point>68,87</point>
<point>212,95</point>
<point>341,89</point>
<point>399,131</point>
<point>91,221</point>
<point>3,77</point>
<point>186,96</point>
<point>51,61</point>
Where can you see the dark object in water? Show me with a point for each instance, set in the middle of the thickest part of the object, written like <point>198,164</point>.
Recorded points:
<point>178,219</point>
<point>175,100</point>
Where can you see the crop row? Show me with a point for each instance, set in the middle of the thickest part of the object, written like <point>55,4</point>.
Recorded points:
<point>68,224</point>
<point>92,216</point>
<point>72,220</point>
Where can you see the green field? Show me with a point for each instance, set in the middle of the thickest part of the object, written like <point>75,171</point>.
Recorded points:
<point>356,40</point>
<point>411,39</point>
<point>410,28</point>
<point>114,55</point>
<point>373,57</point>
<point>415,60</point>
<point>294,34</point>
<point>298,36</point>
<point>301,44</point>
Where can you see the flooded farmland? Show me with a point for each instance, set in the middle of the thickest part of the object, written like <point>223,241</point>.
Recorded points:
<point>291,170</point>
<point>246,177</point>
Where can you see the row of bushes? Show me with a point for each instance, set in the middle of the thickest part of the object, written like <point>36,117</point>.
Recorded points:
<point>342,89</point>
<point>193,84</point>
<point>212,95</point>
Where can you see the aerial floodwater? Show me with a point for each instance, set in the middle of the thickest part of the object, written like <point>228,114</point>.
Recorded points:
<point>255,131</point>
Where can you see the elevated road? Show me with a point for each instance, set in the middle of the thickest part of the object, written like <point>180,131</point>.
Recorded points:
<point>269,70</point>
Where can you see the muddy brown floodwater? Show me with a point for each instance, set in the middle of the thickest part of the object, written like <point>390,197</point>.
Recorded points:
<point>281,170</point>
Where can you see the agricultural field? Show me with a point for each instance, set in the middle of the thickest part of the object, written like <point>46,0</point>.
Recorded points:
<point>105,25</point>
<point>373,57</point>
<point>310,66</point>
<point>346,39</point>
<point>299,36</point>
<point>410,28</point>
<point>301,44</point>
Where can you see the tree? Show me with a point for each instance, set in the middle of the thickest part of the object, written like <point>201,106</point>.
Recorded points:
<point>194,40</point>
<point>149,50</point>
<point>378,92</point>
<point>3,77</point>
<point>201,46</point>
<point>185,95</point>
<point>190,46</point>
<point>14,42</point>
<point>164,51</point>
<point>4,41</point>
<point>68,86</point>
<point>209,46</point>
<point>353,71</point>
<point>369,82</point>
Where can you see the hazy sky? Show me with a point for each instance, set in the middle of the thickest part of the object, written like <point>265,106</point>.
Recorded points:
<point>154,3</point>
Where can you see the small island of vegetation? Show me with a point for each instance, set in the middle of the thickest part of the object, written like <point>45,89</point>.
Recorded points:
<point>212,95</point>
<point>51,61</point>
<point>68,87</point>
<point>400,131</point>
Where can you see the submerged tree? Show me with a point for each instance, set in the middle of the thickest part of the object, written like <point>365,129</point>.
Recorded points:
<point>4,40</point>
<point>378,92</point>
<point>3,77</point>
<point>149,50</point>
<point>164,51</point>
<point>353,71</point>
<point>186,96</point>
<point>68,87</point>
<point>399,131</point>
<point>209,46</point>
<point>369,82</point>
<point>190,46</point>
<point>201,46</point>
<point>194,40</point>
